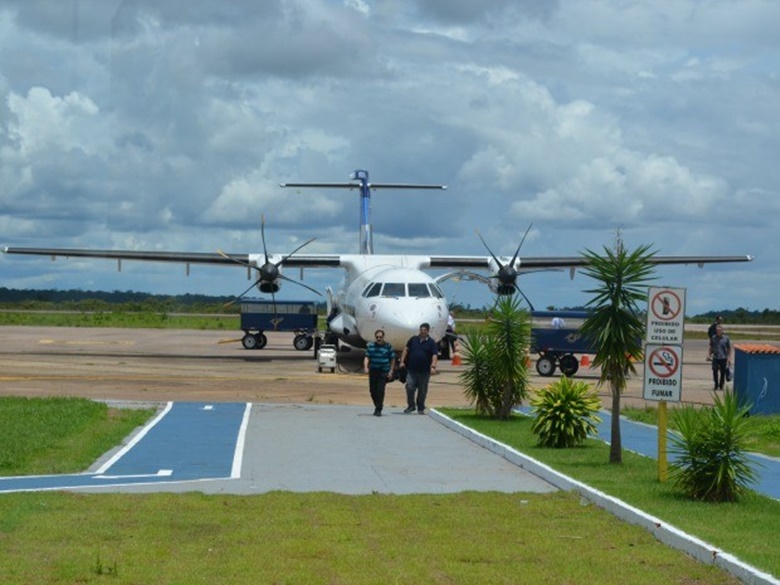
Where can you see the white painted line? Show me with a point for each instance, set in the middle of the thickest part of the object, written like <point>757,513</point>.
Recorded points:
<point>121,453</point>
<point>238,456</point>
<point>161,473</point>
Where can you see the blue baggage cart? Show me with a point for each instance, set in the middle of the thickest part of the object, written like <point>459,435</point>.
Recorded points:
<point>555,336</point>
<point>259,316</point>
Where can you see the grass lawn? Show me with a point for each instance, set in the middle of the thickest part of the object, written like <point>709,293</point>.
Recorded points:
<point>59,435</point>
<point>747,529</point>
<point>313,538</point>
<point>324,538</point>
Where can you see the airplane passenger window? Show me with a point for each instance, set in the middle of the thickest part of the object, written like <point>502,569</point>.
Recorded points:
<point>373,290</point>
<point>418,289</point>
<point>394,289</point>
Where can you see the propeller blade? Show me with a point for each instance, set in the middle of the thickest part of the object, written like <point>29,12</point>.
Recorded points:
<point>306,286</point>
<point>517,252</point>
<point>484,243</point>
<point>236,260</point>
<point>282,261</point>
<point>262,236</point>
<point>239,297</point>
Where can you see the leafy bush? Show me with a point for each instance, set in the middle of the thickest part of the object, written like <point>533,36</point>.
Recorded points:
<point>711,463</point>
<point>565,413</point>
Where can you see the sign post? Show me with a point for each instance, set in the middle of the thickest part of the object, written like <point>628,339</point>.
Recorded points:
<point>664,357</point>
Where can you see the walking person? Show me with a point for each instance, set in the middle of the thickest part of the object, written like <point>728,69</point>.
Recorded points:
<point>420,356</point>
<point>451,334</point>
<point>711,333</point>
<point>720,350</point>
<point>379,364</point>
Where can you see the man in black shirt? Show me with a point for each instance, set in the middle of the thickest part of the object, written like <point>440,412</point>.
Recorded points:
<point>420,357</point>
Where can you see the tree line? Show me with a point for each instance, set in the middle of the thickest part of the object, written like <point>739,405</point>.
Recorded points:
<point>131,301</point>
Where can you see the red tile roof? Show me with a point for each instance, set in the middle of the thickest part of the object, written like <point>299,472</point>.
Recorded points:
<point>758,348</point>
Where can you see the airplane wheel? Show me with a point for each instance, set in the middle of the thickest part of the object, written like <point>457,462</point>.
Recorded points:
<point>569,365</point>
<point>545,366</point>
<point>262,341</point>
<point>249,341</point>
<point>303,342</point>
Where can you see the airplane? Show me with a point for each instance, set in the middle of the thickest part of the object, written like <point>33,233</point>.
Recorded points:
<point>392,292</point>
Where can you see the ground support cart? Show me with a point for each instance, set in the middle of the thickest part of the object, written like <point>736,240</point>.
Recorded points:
<point>259,316</point>
<point>555,336</point>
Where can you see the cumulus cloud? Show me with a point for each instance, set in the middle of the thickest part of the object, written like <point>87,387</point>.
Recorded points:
<point>134,123</point>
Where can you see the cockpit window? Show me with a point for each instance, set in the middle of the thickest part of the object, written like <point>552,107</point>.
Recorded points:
<point>418,289</point>
<point>436,291</point>
<point>373,289</point>
<point>394,289</point>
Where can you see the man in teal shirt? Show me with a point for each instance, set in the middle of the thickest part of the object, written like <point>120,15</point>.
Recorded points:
<point>379,364</point>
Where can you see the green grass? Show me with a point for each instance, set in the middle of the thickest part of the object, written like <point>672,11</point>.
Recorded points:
<point>63,538</point>
<point>747,529</point>
<point>763,431</point>
<point>143,320</point>
<point>59,435</point>
<point>323,538</point>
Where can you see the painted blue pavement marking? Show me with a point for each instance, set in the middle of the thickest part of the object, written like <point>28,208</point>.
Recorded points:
<point>187,441</point>
<point>194,440</point>
<point>643,439</point>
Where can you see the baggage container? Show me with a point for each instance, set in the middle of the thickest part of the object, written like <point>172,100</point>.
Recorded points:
<point>555,336</point>
<point>259,316</point>
<point>757,377</point>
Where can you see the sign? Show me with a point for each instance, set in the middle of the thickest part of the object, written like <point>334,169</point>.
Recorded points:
<point>665,315</point>
<point>663,372</point>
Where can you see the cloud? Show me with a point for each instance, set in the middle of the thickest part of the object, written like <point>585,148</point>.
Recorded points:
<point>169,125</point>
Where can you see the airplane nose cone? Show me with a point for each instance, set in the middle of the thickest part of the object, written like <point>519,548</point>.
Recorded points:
<point>404,320</point>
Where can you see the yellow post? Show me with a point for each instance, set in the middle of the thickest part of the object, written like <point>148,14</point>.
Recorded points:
<point>662,441</point>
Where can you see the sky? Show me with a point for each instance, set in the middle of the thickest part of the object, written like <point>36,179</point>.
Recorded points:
<point>169,124</point>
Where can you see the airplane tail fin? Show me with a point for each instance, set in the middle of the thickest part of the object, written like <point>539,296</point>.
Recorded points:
<point>360,178</point>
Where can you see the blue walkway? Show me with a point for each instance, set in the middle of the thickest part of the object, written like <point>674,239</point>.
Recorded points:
<point>643,439</point>
<point>188,441</point>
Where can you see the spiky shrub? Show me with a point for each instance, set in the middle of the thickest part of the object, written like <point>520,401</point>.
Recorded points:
<point>710,461</point>
<point>495,375</point>
<point>565,413</point>
<point>478,377</point>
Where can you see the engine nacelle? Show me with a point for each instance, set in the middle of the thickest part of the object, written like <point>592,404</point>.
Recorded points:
<point>503,278</point>
<point>269,287</point>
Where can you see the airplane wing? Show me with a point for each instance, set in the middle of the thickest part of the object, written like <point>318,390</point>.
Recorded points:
<point>526,264</point>
<point>502,273</point>
<point>143,255</point>
<point>531,263</point>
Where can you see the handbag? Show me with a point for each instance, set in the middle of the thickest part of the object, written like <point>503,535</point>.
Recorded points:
<point>729,373</point>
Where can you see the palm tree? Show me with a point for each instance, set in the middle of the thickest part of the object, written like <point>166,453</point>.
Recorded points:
<point>496,373</point>
<point>614,326</point>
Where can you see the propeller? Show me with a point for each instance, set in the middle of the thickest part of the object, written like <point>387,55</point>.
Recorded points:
<point>269,273</point>
<point>507,273</point>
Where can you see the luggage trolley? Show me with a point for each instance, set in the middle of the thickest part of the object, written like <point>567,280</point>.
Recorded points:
<point>555,336</point>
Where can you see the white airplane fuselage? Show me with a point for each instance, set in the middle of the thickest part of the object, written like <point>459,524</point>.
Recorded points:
<point>407,298</point>
<point>388,292</point>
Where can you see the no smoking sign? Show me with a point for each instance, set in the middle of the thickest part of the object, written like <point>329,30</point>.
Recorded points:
<point>663,372</point>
